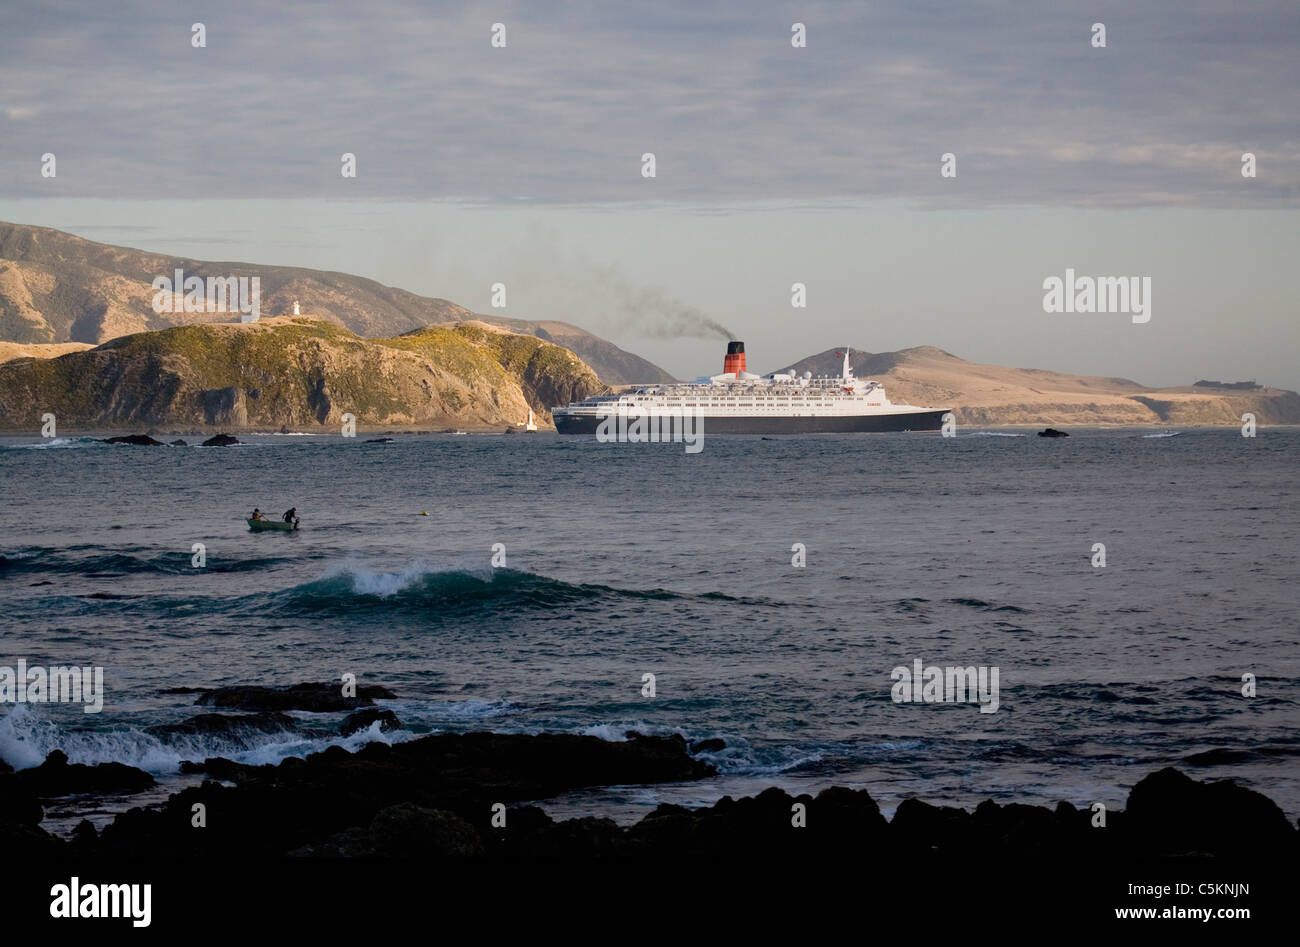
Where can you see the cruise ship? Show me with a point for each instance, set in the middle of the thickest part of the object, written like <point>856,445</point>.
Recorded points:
<point>739,402</point>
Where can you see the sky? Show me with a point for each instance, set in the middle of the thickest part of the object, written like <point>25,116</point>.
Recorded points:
<point>774,165</point>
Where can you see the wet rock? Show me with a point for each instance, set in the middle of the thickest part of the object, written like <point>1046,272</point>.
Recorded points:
<point>221,440</point>
<point>711,745</point>
<point>379,440</point>
<point>1052,432</point>
<point>362,719</point>
<point>140,440</point>
<point>226,725</point>
<point>179,443</point>
<point>57,777</point>
<point>316,698</point>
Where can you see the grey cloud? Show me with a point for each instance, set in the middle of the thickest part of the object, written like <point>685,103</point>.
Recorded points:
<point>732,112</point>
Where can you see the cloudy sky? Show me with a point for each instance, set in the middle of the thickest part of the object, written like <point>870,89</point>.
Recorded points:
<point>774,164</point>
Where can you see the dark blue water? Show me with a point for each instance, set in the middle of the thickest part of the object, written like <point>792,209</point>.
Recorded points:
<point>623,560</point>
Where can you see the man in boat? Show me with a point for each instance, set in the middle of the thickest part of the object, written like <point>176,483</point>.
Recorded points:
<point>257,514</point>
<point>290,513</point>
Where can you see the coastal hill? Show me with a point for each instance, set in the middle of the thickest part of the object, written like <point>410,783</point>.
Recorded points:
<point>57,287</point>
<point>299,372</point>
<point>994,395</point>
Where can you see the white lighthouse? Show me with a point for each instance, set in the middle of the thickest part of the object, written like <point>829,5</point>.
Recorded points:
<point>296,311</point>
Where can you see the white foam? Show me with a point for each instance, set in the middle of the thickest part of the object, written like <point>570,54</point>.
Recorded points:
<point>386,584</point>
<point>26,739</point>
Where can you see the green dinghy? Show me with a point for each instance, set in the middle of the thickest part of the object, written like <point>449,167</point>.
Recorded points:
<point>261,526</point>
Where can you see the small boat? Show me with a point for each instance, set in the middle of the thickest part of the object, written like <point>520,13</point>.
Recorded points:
<point>260,526</point>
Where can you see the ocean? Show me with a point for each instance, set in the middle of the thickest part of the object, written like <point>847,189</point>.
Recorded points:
<point>623,560</point>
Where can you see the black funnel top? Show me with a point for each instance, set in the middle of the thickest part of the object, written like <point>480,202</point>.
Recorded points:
<point>735,348</point>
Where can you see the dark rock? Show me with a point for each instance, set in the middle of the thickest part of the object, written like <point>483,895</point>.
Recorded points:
<point>711,745</point>
<point>1171,813</point>
<point>379,440</point>
<point>84,834</point>
<point>179,443</point>
<point>57,777</point>
<point>919,827</point>
<point>362,719</point>
<point>18,803</point>
<point>587,837</point>
<point>140,440</point>
<point>406,829</point>
<point>221,440</point>
<point>227,725</point>
<point>317,698</point>
<point>1052,432</point>
<point>302,804</point>
<point>21,842</point>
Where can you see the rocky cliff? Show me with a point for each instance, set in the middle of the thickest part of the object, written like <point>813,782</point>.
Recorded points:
<point>300,372</point>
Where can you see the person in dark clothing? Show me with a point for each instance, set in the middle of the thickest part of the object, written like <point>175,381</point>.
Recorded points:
<point>290,513</point>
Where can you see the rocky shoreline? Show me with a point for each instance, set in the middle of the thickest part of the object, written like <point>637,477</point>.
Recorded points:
<point>448,794</point>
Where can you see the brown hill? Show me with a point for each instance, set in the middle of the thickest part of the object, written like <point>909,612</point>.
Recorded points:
<point>57,287</point>
<point>994,395</point>
<point>12,350</point>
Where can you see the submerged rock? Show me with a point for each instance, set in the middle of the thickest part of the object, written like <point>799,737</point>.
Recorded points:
<point>221,440</point>
<point>362,719</point>
<point>317,698</point>
<point>140,440</point>
<point>1052,432</point>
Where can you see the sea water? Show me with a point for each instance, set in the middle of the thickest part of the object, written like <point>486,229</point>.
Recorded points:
<point>769,585</point>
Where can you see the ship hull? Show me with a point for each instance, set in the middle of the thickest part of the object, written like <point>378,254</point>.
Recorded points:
<point>758,424</point>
